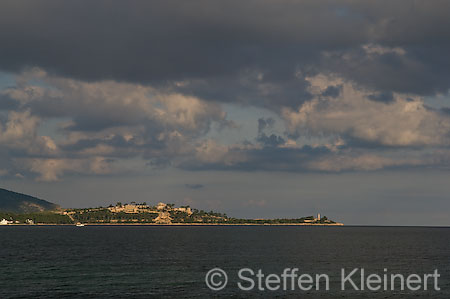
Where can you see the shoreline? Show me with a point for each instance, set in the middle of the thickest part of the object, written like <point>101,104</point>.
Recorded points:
<point>178,224</point>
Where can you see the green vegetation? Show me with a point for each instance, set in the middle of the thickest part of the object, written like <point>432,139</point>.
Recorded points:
<point>102,215</point>
<point>309,219</point>
<point>20,203</point>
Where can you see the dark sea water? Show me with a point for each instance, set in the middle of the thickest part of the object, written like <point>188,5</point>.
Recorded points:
<point>172,261</point>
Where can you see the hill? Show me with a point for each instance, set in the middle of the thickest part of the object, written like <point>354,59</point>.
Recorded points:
<point>20,203</point>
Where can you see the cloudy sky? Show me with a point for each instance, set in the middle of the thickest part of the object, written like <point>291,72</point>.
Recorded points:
<point>275,108</point>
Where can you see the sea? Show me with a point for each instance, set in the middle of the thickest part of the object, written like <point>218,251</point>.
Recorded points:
<point>188,261</point>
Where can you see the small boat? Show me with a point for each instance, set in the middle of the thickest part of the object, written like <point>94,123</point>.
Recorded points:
<point>79,224</point>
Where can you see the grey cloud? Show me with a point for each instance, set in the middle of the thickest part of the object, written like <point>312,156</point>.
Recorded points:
<point>332,91</point>
<point>385,97</point>
<point>327,158</point>
<point>194,186</point>
<point>147,79</point>
<point>257,87</point>
<point>406,73</point>
<point>106,104</point>
<point>270,141</point>
<point>445,110</point>
<point>7,103</point>
<point>117,142</point>
<point>264,123</point>
<point>160,40</point>
<point>99,122</point>
<point>211,43</point>
<point>255,159</point>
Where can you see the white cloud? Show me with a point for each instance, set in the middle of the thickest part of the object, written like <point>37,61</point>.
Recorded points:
<point>406,121</point>
<point>20,133</point>
<point>52,169</point>
<point>100,105</point>
<point>210,152</point>
<point>100,120</point>
<point>112,121</point>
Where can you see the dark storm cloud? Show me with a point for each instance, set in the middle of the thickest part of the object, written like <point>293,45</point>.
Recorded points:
<point>161,40</point>
<point>6,103</point>
<point>406,73</point>
<point>144,79</point>
<point>251,87</point>
<point>384,97</point>
<point>270,141</point>
<point>332,91</point>
<point>265,140</point>
<point>264,123</point>
<point>211,43</point>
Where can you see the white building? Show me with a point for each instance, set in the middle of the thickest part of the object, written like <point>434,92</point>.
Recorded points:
<point>163,218</point>
<point>5,222</point>
<point>161,206</point>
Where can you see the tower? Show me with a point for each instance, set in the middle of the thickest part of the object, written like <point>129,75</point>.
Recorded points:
<point>318,217</point>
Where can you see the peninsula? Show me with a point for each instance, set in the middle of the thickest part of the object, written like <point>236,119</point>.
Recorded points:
<point>44,212</point>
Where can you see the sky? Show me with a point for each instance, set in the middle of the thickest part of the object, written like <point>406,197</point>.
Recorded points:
<point>258,109</point>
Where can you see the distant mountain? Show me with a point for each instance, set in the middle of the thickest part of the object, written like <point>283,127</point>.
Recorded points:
<point>20,203</point>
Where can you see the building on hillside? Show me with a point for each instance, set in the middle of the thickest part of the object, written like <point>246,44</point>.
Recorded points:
<point>161,206</point>
<point>313,219</point>
<point>116,209</point>
<point>130,208</point>
<point>184,210</point>
<point>163,218</point>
